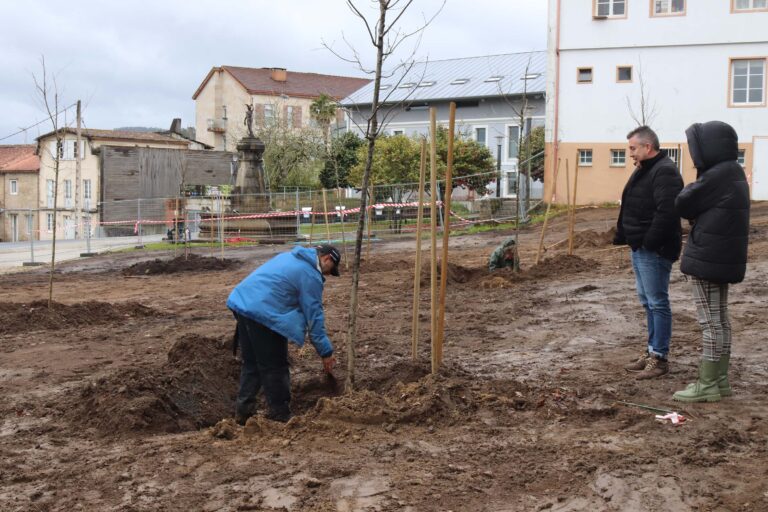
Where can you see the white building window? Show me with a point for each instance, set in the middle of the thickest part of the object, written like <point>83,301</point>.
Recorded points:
<point>50,190</point>
<point>68,193</point>
<point>49,222</point>
<point>617,8</point>
<point>668,7</point>
<point>750,5</point>
<point>269,114</point>
<point>13,186</point>
<point>513,136</point>
<point>748,81</point>
<point>618,158</point>
<point>481,135</point>
<point>398,132</point>
<point>585,157</point>
<point>584,75</point>
<point>623,73</point>
<point>87,189</point>
<point>741,158</point>
<point>674,155</point>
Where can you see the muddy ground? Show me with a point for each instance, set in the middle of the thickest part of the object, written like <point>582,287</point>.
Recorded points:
<point>120,397</point>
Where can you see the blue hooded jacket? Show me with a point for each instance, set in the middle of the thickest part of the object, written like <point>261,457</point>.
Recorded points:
<point>285,294</point>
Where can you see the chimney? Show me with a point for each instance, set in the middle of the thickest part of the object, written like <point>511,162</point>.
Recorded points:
<point>279,74</point>
<point>176,126</point>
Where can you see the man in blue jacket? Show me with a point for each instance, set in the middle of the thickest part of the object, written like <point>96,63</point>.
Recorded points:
<point>275,304</point>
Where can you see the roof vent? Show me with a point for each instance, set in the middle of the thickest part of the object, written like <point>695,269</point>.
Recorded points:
<point>460,81</point>
<point>278,74</point>
<point>530,76</point>
<point>494,78</point>
<point>406,85</point>
<point>426,84</point>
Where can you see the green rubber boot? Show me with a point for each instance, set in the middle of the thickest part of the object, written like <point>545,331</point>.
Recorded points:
<point>706,388</point>
<point>722,380</point>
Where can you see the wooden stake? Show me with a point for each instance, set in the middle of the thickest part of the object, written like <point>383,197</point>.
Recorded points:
<point>417,271</point>
<point>568,198</point>
<point>546,215</point>
<point>343,236</point>
<point>325,214</point>
<point>433,231</point>
<point>176,227</point>
<point>446,230</point>
<point>370,218</point>
<point>311,219</point>
<point>572,220</point>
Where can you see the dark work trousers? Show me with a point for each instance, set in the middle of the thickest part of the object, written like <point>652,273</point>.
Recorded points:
<point>265,364</point>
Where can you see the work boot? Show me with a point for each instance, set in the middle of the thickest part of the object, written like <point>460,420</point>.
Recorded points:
<point>706,388</point>
<point>722,380</point>
<point>281,414</point>
<point>638,364</point>
<point>241,419</point>
<point>654,367</point>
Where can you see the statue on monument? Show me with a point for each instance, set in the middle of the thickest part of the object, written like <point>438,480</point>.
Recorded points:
<point>249,119</point>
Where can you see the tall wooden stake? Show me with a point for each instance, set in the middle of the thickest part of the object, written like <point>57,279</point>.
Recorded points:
<point>572,222</point>
<point>433,227</point>
<point>369,212</point>
<point>343,236</point>
<point>546,215</point>
<point>325,213</point>
<point>568,197</point>
<point>417,271</point>
<point>446,230</point>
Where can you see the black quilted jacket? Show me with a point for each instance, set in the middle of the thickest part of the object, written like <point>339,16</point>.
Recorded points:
<point>647,217</point>
<point>717,204</point>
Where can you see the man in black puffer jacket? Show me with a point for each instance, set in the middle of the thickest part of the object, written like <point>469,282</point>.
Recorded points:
<point>717,205</point>
<point>649,225</point>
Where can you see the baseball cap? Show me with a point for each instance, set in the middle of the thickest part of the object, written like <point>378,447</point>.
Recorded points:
<point>335,255</point>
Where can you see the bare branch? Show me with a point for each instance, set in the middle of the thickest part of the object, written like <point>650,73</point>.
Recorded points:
<point>360,15</point>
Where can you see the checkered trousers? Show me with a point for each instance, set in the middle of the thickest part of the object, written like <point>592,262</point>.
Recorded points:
<point>712,310</point>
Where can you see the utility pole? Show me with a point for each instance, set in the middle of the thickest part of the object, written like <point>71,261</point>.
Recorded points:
<point>78,158</point>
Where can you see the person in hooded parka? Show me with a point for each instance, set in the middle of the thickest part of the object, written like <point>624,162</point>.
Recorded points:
<point>715,254</point>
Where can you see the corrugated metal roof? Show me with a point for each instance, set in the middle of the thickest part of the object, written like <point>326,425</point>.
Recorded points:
<point>471,77</point>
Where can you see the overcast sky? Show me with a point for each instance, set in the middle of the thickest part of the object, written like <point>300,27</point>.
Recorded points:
<point>138,62</point>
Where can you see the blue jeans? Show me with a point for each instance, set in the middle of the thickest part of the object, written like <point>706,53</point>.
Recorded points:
<point>652,276</point>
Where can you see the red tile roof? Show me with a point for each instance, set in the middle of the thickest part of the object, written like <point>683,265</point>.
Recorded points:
<point>297,85</point>
<point>90,133</point>
<point>19,158</point>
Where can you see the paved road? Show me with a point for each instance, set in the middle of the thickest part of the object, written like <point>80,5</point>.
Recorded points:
<point>14,254</point>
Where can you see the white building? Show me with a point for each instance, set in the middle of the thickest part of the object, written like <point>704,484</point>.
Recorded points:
<point>687,60</point>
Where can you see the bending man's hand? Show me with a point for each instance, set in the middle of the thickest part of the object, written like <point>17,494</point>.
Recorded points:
<point>328,363</point>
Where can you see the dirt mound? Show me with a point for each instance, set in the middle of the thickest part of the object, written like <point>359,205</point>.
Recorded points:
<point>189,263</point>
<point>36,315</point>
<point>590,238</point>
<point>550,268</point>
<point>561,265</point>
<point>380,264</point>
<point>195,388</point>
<point>456,273</point>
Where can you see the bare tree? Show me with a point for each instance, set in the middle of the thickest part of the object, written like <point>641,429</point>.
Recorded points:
<point>386,35</point>
<point>646,113</point>
<point>48,94</point>
<point>520,110</point>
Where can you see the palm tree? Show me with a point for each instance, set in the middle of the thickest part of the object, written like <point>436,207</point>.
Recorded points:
<point>323,111</point>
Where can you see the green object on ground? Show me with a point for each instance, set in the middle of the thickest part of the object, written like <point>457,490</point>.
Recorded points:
<point>641,406</point>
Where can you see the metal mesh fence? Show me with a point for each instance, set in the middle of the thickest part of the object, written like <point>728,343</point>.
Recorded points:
<point>293,215</point>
